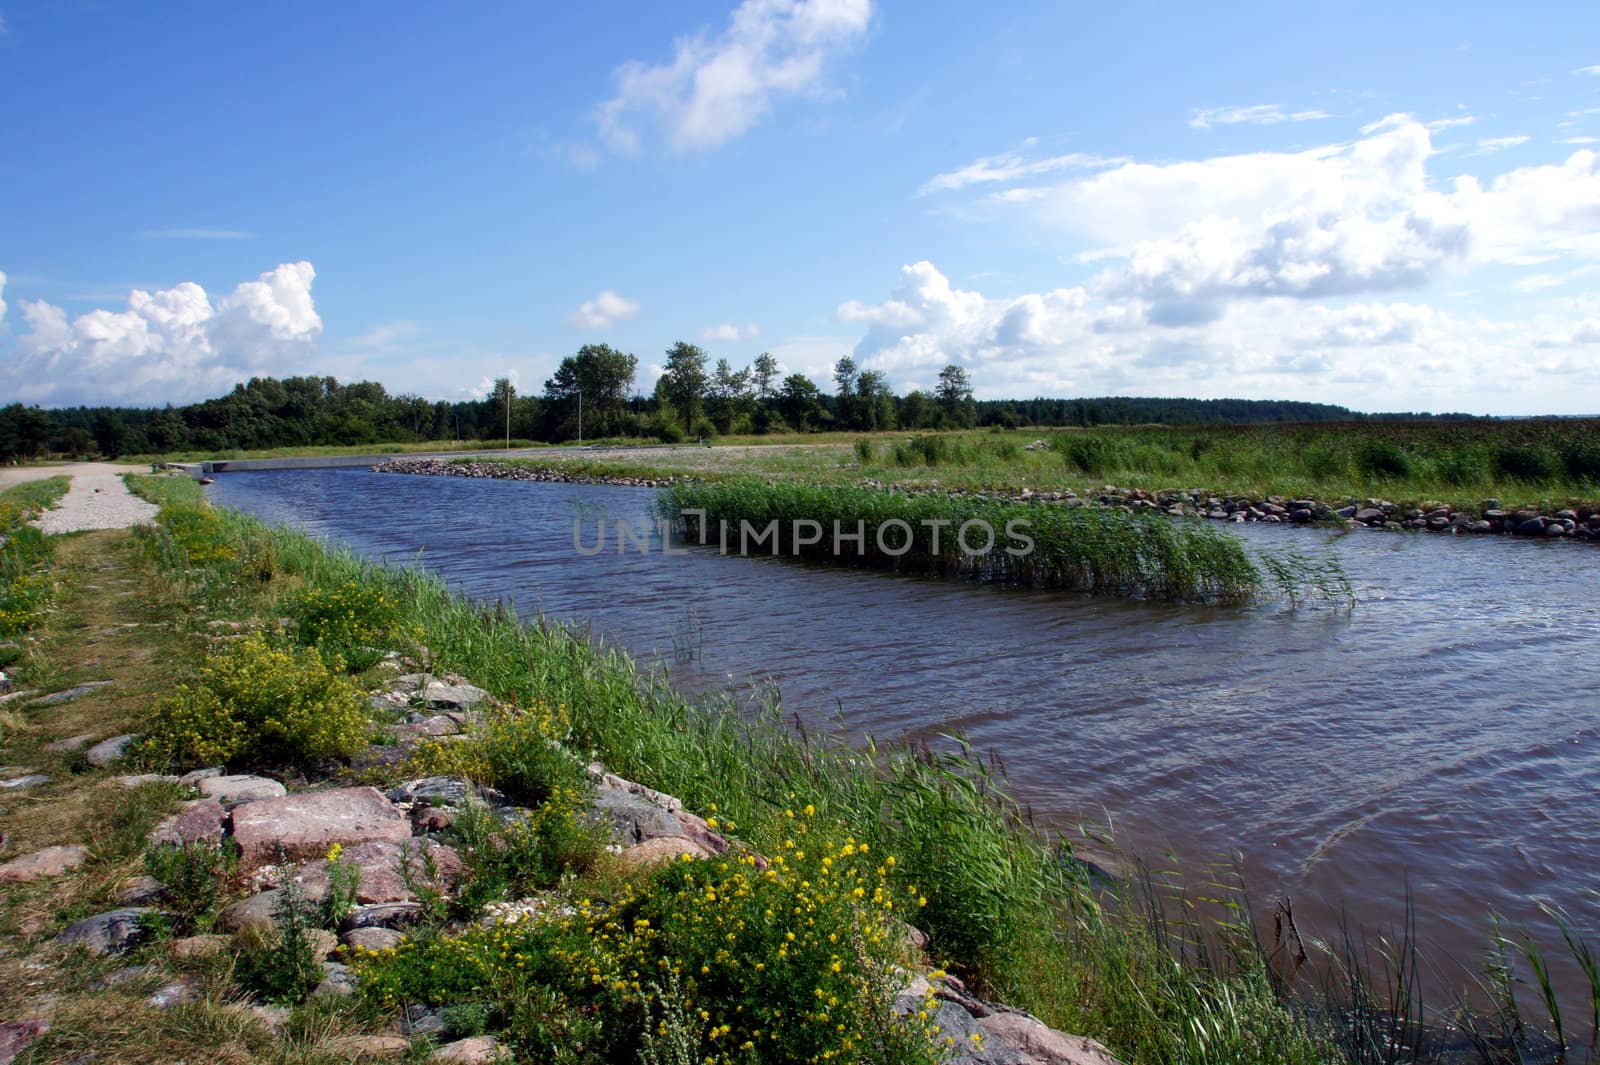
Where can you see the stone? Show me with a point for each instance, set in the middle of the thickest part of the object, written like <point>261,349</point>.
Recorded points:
<point>1555,528</point>
<point>108,751</point>
<point>16,1035</point>
<point>420,1020</point>
<point>17,696</point>
<point>323,942</point>
<point>141,892</point>
<point>1530,526</point>
<point>56,698</point>
<point>51,861</point>
<point>383,915</point>
<point>139,780</point>
<point>121,976</point>
<point>479,1050</point>
<point>71,743</point>
<point>253,912</point>
<point>198,946</point>
<point>1369,516</point>
<point>199,822</point>
<point>372,939</point>
<point>380,865</point>
<point>32,780</point>
<point>444,696</point>
<point>183,990</point>
<point>193,777</point>
<point>236,788</point>
<point>111,932</point>
<point>359,1047</point>
<point>307,823</point>
<point>337,981</point>
<point>1042,1045</point>
<point>274,1018</point>
<point>431,819</point>
<point>661,851</point>
<point>440,791</point>
<point>631,818</point>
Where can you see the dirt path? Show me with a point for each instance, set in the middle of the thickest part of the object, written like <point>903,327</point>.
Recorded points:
<point>98,498</point>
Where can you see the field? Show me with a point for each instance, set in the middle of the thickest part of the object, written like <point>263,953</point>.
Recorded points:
<point>1548,463</point>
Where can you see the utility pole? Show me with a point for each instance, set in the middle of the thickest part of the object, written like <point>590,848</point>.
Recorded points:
<point>580,417</point>
<point>508,419</point>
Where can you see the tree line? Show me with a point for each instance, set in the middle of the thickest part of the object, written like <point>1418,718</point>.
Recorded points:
<point>591,396</point>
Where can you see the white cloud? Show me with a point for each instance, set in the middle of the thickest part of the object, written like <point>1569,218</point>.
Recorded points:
<point>1490,145</point>
<point>387,333</point>
<point>2,297</point>
<point>173,345</point>
<point>1440,124</point>
<point>1593,71</point>
<point>1255,115</point>
<point>603,312</point>
<point>718,87</point>
<point>1009,166</point>
<point>1579,140</point>
<point>485,383</point>
<point>195,234</point>
<point>730,333</point>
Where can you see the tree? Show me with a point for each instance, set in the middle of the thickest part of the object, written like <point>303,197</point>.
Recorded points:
<point>916,410</point>
<point>766,371</point>
<point>844,379</point>
<point>875,401</point>
<point>955,395</point>
<point>603,377</point>
<point>726,395</point>
<point>500,397</point>
<point>683,383</point>
<point>800,400</point>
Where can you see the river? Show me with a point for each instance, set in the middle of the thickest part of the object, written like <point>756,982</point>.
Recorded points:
<point>1442,736</point>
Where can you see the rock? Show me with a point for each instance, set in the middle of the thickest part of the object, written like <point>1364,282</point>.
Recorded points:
<point>141,892</point>
<point>380,865</point>
<point>193,778</point>
<point>274,1018</point>
<point>420,1020</point>
<point>383,915</point>
<point>51,861</point>
<point>512,912</point>
<point>139,780</point>
<point>1302,515</point>
<point>199,822</point>
<point>1530,527</point>
<point>440,791</point>
<point>1042,1045</point>
<point>121,976</point>
<point>17,696</point>
<point>632,818</point>
<point>359,1047</point>
<point>106,933</point>
<point>233,789</point>
<point>479,1050</point>
<point>323,942</point>
<point>431,819</point>
<point>106,752</point>
<point>660,851</point>
<point>180,991</point>
<point>56,698</point>
<point>372,939</point>
<point>1369,516</point>
<point>444,696</point>
<point>337,981</point>
<point>71,743</point>
<point>32,780</point>
<point>16,1035</point>
<point>1555,528</point>
<point>198,946</point>
<point>309,822</point>
<point>253,912</point>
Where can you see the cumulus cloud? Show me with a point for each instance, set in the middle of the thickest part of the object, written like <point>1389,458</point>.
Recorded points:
<point>727,332</point>
<point>603,312</point>
<point>171,345</point>
<point>717,87</point>
<point>1255,115</point>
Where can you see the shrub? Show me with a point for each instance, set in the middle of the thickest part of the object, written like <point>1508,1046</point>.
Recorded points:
<point>516,856</point>
<point>283,967</point>
<point>353,621</point>
<point>865,452</point>
<point>516,751</point>
<point>669,433</point>
<point>1524,462</point>
<point>191,876</point>
<point>1582,460</point>
<point>1089,455</point>
<point>1381,459</point>
<point>257,703</point>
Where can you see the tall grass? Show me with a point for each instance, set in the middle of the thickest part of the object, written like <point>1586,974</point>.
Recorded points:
<point>1008,905</point>
<point>25,552</point>
<point>1106,552</point>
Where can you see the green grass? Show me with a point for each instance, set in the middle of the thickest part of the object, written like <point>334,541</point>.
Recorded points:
<point>26,589</point>
<point>1103,551</point>
<point>1543,463</point>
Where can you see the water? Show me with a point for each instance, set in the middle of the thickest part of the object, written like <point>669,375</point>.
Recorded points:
<point>1443,737</point>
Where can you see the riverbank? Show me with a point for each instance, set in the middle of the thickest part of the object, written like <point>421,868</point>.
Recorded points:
<point>1487,517</point>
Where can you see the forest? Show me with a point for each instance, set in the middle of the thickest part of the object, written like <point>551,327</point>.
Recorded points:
<point>592,396</point>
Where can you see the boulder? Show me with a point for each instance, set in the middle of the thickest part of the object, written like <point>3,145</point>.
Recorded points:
<point>193,778</point>
<point>390,915</point>
<point>438,791</point>
<point>71,743</point>
<point>106,933</point>
<point>253,912</point>
<point>141,892</point>
<point>31,780</point>
<point>56,698</point>
<point>308,823</point>
<point>479,1050</point>
<point>139,780</point>
<point>373,939</point>
<point>198,946</point>
<point>181,991</point>
<point>660,851</point>
<point>199,822</point>
<point>1040,1044</point>
<point>337,981</point>
<point>365,1047</point>
<point>16,1035</point>
<point>442,696</point>
<point>233,789</point>
<point>108,751</point>
<point>51,861</point>
<point>380,865</point>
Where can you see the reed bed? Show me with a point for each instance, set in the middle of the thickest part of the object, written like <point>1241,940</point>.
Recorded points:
<point>1089,549</point>
<point>1009,905</point>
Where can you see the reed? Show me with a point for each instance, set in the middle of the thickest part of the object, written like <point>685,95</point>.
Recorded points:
<point>1090,549</point>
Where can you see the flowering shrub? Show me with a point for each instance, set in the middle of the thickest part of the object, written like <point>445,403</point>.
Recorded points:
<point>255,702</point>
<point>794,962</point>
<point>355,621</point>
<point>198,534</point>
<point>517,751</point>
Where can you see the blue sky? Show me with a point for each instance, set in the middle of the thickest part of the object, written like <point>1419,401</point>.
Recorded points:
<point>1387,206</point>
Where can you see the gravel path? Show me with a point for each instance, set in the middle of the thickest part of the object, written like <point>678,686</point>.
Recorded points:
<point>98,499</point>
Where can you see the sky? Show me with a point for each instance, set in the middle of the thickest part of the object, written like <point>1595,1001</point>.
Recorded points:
<point>1386,206</point>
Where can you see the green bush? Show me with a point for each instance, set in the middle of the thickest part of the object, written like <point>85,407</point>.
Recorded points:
<point>259,704</point>
<point>1525,462</point>
<point>865,452</point>
<point>192,876</point>
<point>282,967</point>
<point>355,621</point>
<point>1381,459</point>
<point>1582,460</point>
